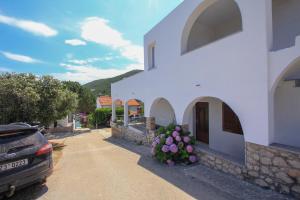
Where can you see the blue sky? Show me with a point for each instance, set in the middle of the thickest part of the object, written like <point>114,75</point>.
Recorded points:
<point>80,40</point>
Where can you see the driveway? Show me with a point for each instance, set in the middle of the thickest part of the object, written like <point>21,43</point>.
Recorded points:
<point>95,166</point>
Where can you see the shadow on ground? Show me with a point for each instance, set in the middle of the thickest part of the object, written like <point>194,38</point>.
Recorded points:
<point>197,180</point>
<point>30,193</point>
<point>174,175</point>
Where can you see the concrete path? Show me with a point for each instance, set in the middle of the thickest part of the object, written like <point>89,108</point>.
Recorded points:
<point>96,166</point>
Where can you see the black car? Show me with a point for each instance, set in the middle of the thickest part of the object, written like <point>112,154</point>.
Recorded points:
<point>25,157</point>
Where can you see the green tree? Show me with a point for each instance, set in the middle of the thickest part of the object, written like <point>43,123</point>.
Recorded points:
<point>28,98</point>
<point>19,98</point>
<point>56,102</point>
<point>87,100</point>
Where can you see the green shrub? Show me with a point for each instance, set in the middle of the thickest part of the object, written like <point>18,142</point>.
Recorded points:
<point>101,116</point>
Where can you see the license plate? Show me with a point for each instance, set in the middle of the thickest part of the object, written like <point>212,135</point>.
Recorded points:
<point>13,165</point>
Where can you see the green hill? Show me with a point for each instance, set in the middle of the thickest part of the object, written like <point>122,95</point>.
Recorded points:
<point>102,86</point>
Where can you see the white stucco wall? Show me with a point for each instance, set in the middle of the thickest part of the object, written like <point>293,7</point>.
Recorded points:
<point>163,112</point>
<point>239,69</point>
<point>287,114</point>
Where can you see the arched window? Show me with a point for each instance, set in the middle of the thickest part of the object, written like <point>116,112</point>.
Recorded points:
<point>217,21</point>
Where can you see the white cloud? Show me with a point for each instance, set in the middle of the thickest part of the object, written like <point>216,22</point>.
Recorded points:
<point>91,60</point>
<point>95,29</point>
<point>36,28</point>
<point>86,73</point>
<point>75,42</point>
<point>4,69</point>
<point>19,58</point>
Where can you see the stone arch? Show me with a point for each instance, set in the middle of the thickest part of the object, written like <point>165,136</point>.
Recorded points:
<point>163,112</point>
<point>211,21</point>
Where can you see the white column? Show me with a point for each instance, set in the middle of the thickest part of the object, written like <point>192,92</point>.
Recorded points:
<point>126,114</point>
<point>113,110</point>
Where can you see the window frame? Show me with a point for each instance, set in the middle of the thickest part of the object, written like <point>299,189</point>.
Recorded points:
<point>152,56</point>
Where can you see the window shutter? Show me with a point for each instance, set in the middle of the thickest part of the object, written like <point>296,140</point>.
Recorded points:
<point>231,122</point>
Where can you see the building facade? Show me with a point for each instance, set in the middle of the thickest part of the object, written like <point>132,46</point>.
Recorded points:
<point>228,71</point>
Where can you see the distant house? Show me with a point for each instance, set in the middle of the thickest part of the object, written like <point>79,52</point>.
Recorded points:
<point>134,106</point>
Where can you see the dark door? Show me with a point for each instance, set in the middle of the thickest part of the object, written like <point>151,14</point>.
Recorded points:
<point>202,122</point>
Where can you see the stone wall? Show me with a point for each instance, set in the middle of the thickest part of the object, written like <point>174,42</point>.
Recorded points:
<point>132,134</point>
<point>60,129</point>
<point>274,167</point>
<point>218,162</point>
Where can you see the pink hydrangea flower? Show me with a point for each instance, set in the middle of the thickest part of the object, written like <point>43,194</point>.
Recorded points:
<point>165,148</point>
<point>178,138</point>
<point>170,162</point>
<point>157,139</point>
<point>192,159</point>
<point>186,139</point>
<point>189,149</point>
<point>169,141</point>
<point>175,134</point>
<point>178,128</point>
<point>174,148</point>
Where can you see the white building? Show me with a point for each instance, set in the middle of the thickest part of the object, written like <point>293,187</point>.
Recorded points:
<point>229,70</point>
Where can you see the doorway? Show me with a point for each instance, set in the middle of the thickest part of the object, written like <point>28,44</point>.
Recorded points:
<point>202,122</point>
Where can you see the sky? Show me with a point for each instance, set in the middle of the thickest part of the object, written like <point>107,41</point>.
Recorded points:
<point>80,40</point>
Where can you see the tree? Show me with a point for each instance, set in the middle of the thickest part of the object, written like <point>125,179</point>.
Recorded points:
<point>87,100</point>
<point>56,102</point>
<point>28,98</point>
<point>19,98</point>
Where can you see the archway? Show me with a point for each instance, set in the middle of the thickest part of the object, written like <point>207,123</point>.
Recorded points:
<point>287,107</point>
<point>286,18</point>
<point>214,124</point>
<point>163,112</point>
<point>211,21</point>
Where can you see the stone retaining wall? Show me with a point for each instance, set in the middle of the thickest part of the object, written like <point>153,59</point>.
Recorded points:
<point>131,134</point>
<point>218,162</point>
<point>274,167</point>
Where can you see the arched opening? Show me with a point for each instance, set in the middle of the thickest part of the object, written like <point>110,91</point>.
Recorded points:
<point>286,17</point>
<point>210,23</point>
<point>163,112</point>
<point>215,125</point>
<point>136,117</point>
<point>287,107</point>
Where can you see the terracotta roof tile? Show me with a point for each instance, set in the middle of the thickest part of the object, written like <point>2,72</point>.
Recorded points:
<point>107,101</point>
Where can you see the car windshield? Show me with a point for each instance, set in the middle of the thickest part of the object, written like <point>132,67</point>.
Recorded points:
<point>6,130</point>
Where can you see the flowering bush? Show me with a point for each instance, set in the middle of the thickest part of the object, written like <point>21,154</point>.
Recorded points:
<point>172,145</point>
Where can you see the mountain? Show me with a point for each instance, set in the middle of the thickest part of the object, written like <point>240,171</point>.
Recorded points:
<point>102,86</point>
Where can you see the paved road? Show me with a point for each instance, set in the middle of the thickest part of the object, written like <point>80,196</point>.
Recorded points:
<point>95,166</point>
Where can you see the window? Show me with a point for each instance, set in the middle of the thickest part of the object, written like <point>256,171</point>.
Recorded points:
<point>151,57</point>
<point>231,122</point>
